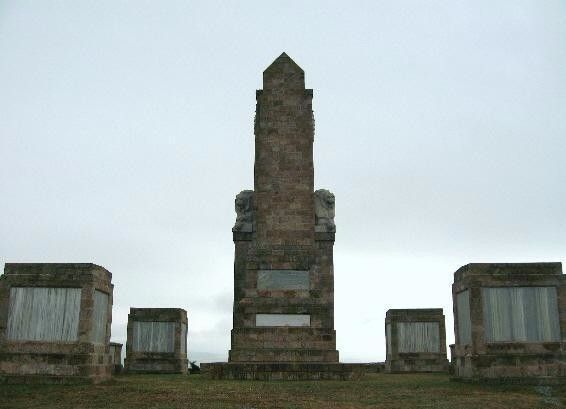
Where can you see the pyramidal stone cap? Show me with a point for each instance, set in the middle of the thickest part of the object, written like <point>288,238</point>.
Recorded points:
<point>284,73</point>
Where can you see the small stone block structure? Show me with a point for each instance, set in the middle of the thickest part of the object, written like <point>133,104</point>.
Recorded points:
<point>116,352</point>
<point>157,341</point>
<point>415,340</point>
<point>509,321</point>
<point>55,323</point>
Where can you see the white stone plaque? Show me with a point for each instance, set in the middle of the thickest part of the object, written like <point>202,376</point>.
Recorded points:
<point>282,320</point>
<point>44,314</point>
<point>418,336</point>
<point>528,314</point>
<point>283,280</point>
<point>153,336</point>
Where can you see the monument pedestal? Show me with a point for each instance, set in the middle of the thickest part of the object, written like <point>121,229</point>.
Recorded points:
<point>282,371</point>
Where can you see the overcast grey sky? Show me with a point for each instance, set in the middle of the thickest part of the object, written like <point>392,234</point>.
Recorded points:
<point>126,130</point>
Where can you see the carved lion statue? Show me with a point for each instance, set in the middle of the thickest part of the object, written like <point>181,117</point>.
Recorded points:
<point>244,211</point>
<point>324,211</point>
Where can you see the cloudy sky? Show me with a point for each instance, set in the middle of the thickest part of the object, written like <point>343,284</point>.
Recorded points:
<point>126,130</point>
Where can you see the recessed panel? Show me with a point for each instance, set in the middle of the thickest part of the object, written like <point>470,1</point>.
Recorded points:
<point>388,338</point>
<point>464,322</point>
<point>100,317</point>
<point>183,338</point>
<point>418,336</point>
<point>153,336</point>
<point>528,314</point>
<point>282,320</point>
<point>43,314</point>
<point>283,280</point>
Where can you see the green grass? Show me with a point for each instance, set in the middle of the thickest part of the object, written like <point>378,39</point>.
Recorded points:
<point>374,391</point>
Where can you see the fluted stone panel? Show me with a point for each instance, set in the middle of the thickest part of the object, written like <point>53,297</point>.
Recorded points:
<point>521,314</point>
<point>464,322</point>
<point>100,317</point>
<point>153,336</point>
<point>43,314</point>
<point>388,337</point>
<point>183,338</point>
<point>418,336</point>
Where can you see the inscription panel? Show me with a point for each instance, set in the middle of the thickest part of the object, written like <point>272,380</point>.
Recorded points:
<point>183,338</point>
<point>44,314</point>
<point>464,321</point>
<point>418,336</point>
<point>521,314</point>
<point>100,317</point>
<point>282,320</point>
<point>283,280</point>
<point>157,336</point>
<point>388,338</point>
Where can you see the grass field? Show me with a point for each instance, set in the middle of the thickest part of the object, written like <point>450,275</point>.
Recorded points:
<point>374,391</point>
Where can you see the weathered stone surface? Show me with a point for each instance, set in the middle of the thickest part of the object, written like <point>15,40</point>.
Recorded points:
<point>488,347</point>
<point>157,341</point>
<point>416,340</point>
<point>284,237</point>
<point>56,348</point>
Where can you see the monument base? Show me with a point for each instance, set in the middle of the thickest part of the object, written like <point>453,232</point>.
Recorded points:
<point>525,368</point>
<point>46,363</point>
<point>155,362</point>
<point>417,363</point>
<point>284,371</point>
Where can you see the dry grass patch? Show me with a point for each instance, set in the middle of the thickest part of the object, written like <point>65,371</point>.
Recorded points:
<point>374,391</point>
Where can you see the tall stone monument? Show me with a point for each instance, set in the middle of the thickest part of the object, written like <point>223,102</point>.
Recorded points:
<point>284,236</point>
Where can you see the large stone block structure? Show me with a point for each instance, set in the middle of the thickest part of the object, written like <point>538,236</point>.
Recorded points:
<point>415,340</point>
<point>283,317</point>
<point>156,341</point>
<point>55,323</point>
<point>509,322</point>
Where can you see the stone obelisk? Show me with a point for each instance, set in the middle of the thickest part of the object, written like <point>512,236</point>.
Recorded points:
<point>284,236</point>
